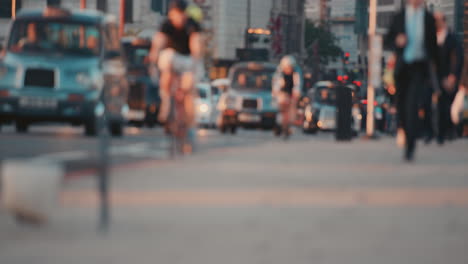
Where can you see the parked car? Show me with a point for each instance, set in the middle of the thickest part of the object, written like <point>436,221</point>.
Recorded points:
<point>218,87</point>
<point>143,98</point>
<point>221,85</point>
<point>205,105</point>
<point>248,100</point>
<point>63,66</point>
<point>320,113</point>
<point>312,111</point>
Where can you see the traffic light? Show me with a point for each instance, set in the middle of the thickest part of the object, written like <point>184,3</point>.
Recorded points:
<point>346,58</point>
<point>159,6</point>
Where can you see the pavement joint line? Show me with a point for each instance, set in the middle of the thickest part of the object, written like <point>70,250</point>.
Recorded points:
<point>318,197</point>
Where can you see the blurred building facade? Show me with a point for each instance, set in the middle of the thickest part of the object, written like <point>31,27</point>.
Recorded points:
<point>232,21</point>
<point>317,11</point>
<point>386,9</point>
<point>342,24</point>
<point>288,16</point>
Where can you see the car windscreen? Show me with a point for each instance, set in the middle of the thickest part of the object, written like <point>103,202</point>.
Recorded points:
<point>255,80</point>
<point>215,91</point>
<point>202,93</point>
<point>54,37</point>
<point>136,55</point>
<point>325,95</point>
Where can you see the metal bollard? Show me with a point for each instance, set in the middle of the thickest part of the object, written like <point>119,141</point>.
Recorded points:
<point>103,171</point>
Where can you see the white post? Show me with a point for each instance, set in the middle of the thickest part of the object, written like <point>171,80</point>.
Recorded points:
<point>370,87</point>
<point>13,9</point>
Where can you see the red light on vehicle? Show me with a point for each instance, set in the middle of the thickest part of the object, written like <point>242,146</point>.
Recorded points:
<point>340,78</point>
<point>364,102</point>
<point>358,83</point>
<point>230,113</point>
<point>346,77</point>
<point>347,54</point>
<point>4,93</point>
<point>75,98</point>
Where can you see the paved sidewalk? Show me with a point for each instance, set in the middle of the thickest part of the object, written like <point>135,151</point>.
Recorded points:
<point>307,201</point>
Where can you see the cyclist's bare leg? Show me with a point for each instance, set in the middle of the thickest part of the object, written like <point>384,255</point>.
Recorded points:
<point>166,83</point>
<point>286,120</point>
<point>187,85</point>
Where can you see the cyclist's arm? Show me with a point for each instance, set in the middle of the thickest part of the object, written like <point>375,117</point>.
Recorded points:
<point>196,45</point>
<point>278,83</point>
<point>297,89</point>
<point>159,42</point>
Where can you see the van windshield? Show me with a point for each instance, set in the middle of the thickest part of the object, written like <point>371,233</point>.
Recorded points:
<point>60,37</point>
<point>256,80</point>
<point>325,95</point>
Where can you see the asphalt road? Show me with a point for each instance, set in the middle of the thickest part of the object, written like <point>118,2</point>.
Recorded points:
<point>310,200</point>
<point>79,154</point>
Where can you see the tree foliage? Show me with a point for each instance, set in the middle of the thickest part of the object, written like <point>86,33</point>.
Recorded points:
<point>320,44</point>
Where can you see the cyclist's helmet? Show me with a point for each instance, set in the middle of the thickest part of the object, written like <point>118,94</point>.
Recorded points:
<point>178,4</point>
<point>288,61</point>
<point>195,12</point>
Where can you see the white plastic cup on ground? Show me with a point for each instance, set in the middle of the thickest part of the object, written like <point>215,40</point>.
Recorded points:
<point>30,189</point>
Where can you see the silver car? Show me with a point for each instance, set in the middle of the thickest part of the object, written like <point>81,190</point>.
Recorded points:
<point>248,102</point>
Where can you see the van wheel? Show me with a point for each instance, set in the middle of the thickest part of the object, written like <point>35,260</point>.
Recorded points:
<point>233,130</point>
<point>22,127</point>
<point>277,130</point>
<point>116,129</point>
<point>90,129</point>
<point>223,129</point>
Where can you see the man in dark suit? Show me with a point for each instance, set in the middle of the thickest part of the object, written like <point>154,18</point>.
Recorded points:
<point>449,74</point>
<point>412,36</point>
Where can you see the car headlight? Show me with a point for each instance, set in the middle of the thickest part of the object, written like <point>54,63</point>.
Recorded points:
<point>204,108</point>
<point>83,78</point>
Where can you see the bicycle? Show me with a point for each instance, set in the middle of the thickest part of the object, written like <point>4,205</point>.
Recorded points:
<point>283,127</point>
<point>178,125</point>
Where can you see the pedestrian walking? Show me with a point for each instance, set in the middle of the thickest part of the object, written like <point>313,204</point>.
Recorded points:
<point>449,73</point>
<point>412,35</point>
<point>460,103</point>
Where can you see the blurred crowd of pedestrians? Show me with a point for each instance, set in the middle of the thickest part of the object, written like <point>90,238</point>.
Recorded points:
<point>424,78</point>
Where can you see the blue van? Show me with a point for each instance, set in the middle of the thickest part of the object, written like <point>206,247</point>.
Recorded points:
<point>63,66</point>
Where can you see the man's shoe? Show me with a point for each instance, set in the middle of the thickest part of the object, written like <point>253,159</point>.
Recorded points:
<point>428,140</point>
<point>440,141</point>
<point>409,154</point>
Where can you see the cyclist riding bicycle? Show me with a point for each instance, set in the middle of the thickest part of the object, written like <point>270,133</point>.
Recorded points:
<point>286,90</point>
<point>177,50</point>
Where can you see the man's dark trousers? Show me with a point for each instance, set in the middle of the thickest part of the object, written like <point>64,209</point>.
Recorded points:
<point>411,82</point>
